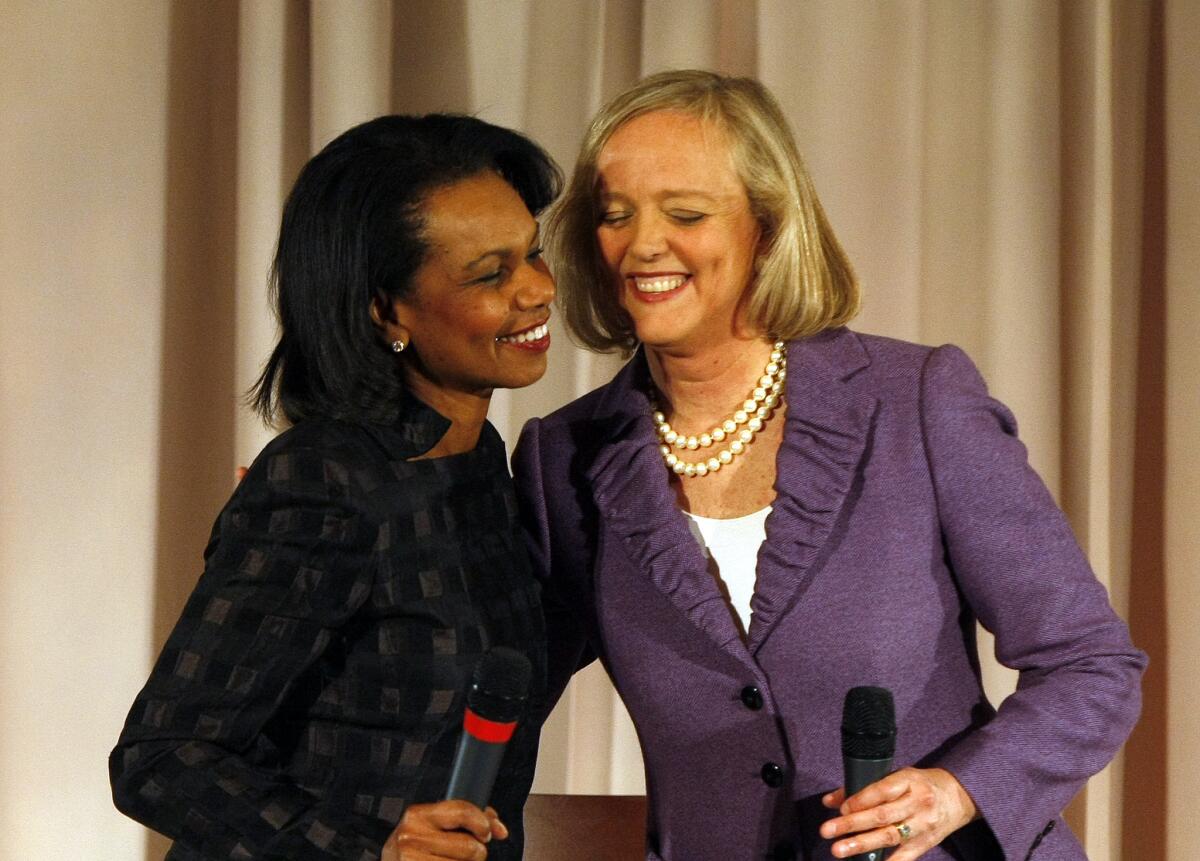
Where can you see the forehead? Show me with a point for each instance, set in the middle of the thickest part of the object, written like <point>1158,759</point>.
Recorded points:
<point>475,215</point>
<point>668,147</point>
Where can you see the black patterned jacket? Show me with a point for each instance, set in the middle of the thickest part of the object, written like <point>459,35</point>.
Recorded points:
<point>314,685</point>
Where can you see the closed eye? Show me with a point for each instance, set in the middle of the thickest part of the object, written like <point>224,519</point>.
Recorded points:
<point>614,217</point>
<point>687,216</point>
<point>491,278</point>
<point>499,275</point>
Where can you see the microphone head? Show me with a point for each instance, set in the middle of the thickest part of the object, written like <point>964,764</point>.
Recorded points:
<point>500,685</point>
<point>868,724</point>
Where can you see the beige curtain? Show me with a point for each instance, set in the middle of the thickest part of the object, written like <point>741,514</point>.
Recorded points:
<point>1017,176</point>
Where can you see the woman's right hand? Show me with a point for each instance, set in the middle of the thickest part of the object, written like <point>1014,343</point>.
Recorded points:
<point>444,829</point>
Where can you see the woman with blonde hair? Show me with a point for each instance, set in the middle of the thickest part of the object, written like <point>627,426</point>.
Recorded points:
<point>764,509</point>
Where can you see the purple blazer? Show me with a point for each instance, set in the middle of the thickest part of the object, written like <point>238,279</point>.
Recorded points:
<point>905,511</point>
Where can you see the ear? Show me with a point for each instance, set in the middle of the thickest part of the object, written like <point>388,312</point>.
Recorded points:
<point>762,247</point>
<point>382,312</point>
<point>384,317</point>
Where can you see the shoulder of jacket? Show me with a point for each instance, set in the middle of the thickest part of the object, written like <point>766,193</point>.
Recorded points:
<point>888,352</point>
<point>336,453</point>
<point>582,409</point>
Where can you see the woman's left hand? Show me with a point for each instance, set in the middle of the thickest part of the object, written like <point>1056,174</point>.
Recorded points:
<point>913,808</point>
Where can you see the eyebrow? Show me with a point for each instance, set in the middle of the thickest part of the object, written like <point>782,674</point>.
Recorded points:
<point>505,251</point>
<point>689,192</point>
<point>667,194</point>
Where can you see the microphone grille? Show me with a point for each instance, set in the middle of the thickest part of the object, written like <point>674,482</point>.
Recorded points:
<point>500,685</point>
<point>868,723</point>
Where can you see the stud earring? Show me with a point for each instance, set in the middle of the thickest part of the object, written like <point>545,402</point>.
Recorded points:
<point>398,346</point>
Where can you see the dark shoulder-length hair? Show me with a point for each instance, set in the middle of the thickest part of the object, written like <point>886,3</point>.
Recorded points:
<point>352,232</point>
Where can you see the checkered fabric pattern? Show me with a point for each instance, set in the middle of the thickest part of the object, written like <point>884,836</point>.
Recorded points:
<point>314,685</point>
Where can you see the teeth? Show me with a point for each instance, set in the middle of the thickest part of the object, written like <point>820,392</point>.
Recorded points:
<point>534,334</point>
<point>659,285</point>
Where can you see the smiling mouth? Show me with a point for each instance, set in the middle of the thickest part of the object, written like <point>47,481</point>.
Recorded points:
<point>658,283</point>
<point>527,336</point>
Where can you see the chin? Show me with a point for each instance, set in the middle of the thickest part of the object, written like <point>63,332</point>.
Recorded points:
<point>664,326</point>
<point>526,377</point>
<point>657,336</point>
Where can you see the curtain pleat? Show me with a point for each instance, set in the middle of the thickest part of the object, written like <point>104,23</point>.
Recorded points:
<point>1178,26</point>
<point>261,169</point>
<point>350,66</point>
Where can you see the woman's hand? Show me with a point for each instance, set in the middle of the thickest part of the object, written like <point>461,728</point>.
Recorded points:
<point>445,829</point>
<point>913,808</point>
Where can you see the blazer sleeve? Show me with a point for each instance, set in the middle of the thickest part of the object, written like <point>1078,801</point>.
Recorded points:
<point>289,563</point>
<point>1022,572</point>
<point>568,645</point>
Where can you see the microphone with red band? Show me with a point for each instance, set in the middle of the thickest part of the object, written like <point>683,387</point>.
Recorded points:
<point>495,701</point>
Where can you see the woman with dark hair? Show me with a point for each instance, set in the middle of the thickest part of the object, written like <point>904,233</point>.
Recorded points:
<point>308,702</point>
<point>764,509</point>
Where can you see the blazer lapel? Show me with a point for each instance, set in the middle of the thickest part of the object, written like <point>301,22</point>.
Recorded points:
<point>825,437</point>
<point>638,509</point>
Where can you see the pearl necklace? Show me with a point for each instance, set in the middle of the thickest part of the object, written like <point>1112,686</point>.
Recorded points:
<point>740,428</point>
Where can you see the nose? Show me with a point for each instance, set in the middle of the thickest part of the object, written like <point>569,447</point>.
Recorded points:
<point>649,238</point>
<point>536,288</point>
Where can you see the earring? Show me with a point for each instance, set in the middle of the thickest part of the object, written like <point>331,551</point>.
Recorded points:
<point>398,346</point>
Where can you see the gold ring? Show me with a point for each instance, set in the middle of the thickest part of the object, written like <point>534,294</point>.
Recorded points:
<point>904,831</point>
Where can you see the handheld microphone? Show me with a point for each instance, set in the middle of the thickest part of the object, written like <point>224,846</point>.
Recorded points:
<point>495,701</point>
<point>868,743</point>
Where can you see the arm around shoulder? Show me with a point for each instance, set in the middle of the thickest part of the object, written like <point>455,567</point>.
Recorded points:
<point>542,497</point>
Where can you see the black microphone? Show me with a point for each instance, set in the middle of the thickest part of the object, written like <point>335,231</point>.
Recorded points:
<point>495,701</point>
<point>868,743</point>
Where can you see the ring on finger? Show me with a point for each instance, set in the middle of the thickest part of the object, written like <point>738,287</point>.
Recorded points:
<point>903,829</point>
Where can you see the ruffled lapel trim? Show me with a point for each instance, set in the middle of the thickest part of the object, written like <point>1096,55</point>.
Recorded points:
<point>826,435</point>
<point>639,508</point>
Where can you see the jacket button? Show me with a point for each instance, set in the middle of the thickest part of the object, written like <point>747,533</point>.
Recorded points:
<point>772,775</point>
<point>752,698</point>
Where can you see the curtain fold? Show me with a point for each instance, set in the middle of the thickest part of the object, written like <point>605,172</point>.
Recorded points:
<point>1017,177</point>
<point>1178,27</point>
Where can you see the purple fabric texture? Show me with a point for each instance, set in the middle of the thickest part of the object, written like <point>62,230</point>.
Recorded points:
<point>905,510</point>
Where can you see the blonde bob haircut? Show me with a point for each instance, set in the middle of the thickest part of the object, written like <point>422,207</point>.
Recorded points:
<point>805,283</point>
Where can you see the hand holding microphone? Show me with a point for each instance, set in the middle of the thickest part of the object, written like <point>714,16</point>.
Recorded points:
<point>461,825</point>
<point>444,829</point>
<point>913,809</point>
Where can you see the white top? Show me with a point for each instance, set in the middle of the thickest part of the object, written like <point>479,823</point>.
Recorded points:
<point>732,550</point>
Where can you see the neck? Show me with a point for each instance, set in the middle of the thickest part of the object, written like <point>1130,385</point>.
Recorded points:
<point>466,411</point>
<point>698,389</point>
